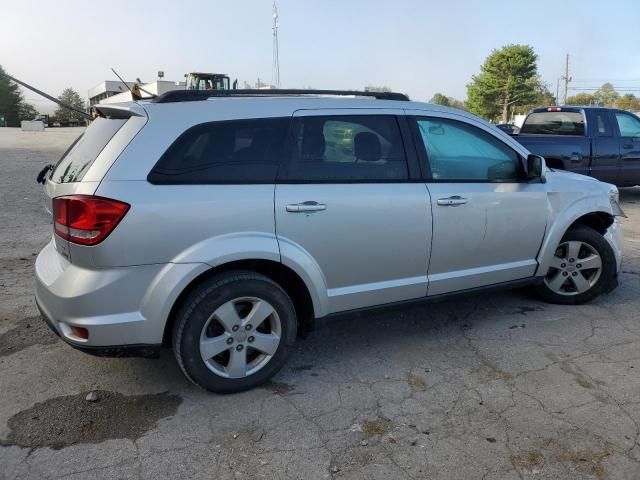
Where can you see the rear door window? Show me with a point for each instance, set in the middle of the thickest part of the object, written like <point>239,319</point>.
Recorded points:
<point>603,124</point>
<point>78,158</point>
<point>554,123</point>
<point>346,148</point>
<point>237,151</point>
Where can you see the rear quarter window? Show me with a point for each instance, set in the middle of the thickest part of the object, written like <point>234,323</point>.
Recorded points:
<point>81,154</point>
<point>236,151</point>
<point>554,123</point>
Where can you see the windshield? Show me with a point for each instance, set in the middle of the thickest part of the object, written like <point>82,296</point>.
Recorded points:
<point>554,123</point>
<point>78,158</point>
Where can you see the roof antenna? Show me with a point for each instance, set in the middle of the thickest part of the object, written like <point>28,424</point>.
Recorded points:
<point>133,95</point>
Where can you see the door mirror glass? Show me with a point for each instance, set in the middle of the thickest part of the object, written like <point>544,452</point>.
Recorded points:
<point>535,167</point>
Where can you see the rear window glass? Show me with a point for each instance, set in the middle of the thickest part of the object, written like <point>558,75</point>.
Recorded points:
<point>78,158</point>
<point>554,123</point>
<point>236,151</point>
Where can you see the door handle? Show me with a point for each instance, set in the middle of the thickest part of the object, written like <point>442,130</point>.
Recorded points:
<point>627,146</point>
<point>306,207</point>
<point>575,157</point>
<point>452,201</point>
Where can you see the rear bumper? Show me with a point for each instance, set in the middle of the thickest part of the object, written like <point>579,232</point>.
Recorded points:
<point>124,309</point>
<point>145,351</point>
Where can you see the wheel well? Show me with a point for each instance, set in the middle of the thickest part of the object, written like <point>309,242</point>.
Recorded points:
<point>599,221</point>
<point>279,273</point>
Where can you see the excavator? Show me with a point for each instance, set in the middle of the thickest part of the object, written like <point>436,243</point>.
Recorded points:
<point>209,81</point>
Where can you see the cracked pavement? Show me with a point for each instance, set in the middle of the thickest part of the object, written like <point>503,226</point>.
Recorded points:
<point>494,386</point>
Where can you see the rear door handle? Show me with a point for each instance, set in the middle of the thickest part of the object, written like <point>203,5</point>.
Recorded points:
<point>306,207</point>
<point>452,201</point>
<point>627,146</point>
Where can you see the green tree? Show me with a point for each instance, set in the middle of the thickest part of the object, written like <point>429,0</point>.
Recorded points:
<point>544,98</point>
<point>440,99</point>
<point>581,99</point>
<point>10,101</point>
<point>628,102</point>
<point>73,99</point>
<point>27,111</point>
<point>507,79</point>
<point>606,95</point>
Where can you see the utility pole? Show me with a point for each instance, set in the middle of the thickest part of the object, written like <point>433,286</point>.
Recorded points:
<point>275,73</point>
<point>558,92</point>
<point>566,79</point>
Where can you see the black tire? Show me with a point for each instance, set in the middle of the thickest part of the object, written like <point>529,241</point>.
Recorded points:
<point>607,275</point>
<point>195,311</point>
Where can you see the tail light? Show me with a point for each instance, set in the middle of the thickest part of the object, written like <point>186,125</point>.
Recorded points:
<point>85,219</point>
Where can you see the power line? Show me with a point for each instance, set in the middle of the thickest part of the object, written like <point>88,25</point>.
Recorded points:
<point>623,89</point>
<point>608,80</point>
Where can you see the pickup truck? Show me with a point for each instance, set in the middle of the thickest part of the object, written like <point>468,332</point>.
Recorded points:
<point>603,143</point>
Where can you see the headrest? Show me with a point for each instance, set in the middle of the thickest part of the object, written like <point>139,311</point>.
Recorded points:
<point>367,147</point>
<point>313,145</point>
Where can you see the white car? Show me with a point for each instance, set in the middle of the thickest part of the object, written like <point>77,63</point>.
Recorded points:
<point>219,223</point>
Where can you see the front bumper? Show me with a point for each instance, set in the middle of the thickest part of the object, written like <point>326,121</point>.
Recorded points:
<point>616,241</point>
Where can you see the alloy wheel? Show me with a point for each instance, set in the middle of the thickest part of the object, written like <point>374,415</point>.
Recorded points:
<point>575,268</point>
<point>240,337</point>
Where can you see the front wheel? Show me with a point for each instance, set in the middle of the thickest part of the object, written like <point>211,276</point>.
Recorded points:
<point>582,268</point>
<point>234,331</point>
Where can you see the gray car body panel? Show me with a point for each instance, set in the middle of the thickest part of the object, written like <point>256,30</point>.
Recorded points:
<point>378,243</point>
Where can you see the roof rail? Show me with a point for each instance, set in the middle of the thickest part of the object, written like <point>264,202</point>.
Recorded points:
<point>195,95</point>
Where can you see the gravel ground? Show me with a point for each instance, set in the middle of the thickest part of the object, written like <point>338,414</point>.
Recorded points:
<point>496,386</point>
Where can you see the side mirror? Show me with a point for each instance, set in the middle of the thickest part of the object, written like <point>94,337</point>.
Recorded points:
<point>535,168</point>
<point>436,129</point>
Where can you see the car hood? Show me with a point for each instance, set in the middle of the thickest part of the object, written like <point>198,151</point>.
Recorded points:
<point>573,180</point>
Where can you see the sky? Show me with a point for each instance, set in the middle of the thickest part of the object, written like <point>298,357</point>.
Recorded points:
<point>418,47</point>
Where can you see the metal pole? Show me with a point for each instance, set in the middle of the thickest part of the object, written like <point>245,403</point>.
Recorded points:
<point>275,73</point>
<point>49,97</point>
<point>566,79</point>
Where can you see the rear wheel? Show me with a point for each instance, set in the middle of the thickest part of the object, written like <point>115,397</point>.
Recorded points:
<point>233,332</point>
<point>582,268</point>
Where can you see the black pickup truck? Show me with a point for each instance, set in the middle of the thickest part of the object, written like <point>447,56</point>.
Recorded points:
<point>601,142</point>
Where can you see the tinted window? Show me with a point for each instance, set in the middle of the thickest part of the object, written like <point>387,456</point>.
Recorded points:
<point>347,148</point>
<point>629,126</point>
<point>604,127</point>
<point>554,123</point>
<point>458,151</point>
<point>78,158</point>
<point>239,151</point>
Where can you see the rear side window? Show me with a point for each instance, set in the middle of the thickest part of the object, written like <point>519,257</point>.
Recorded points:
<point>346,148</point>
<point>78,158</point>
<point>604,126</point>
<point>237,151</point>
<point>554,123</point>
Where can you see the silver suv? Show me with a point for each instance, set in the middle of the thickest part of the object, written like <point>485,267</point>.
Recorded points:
<point>222,224</point>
